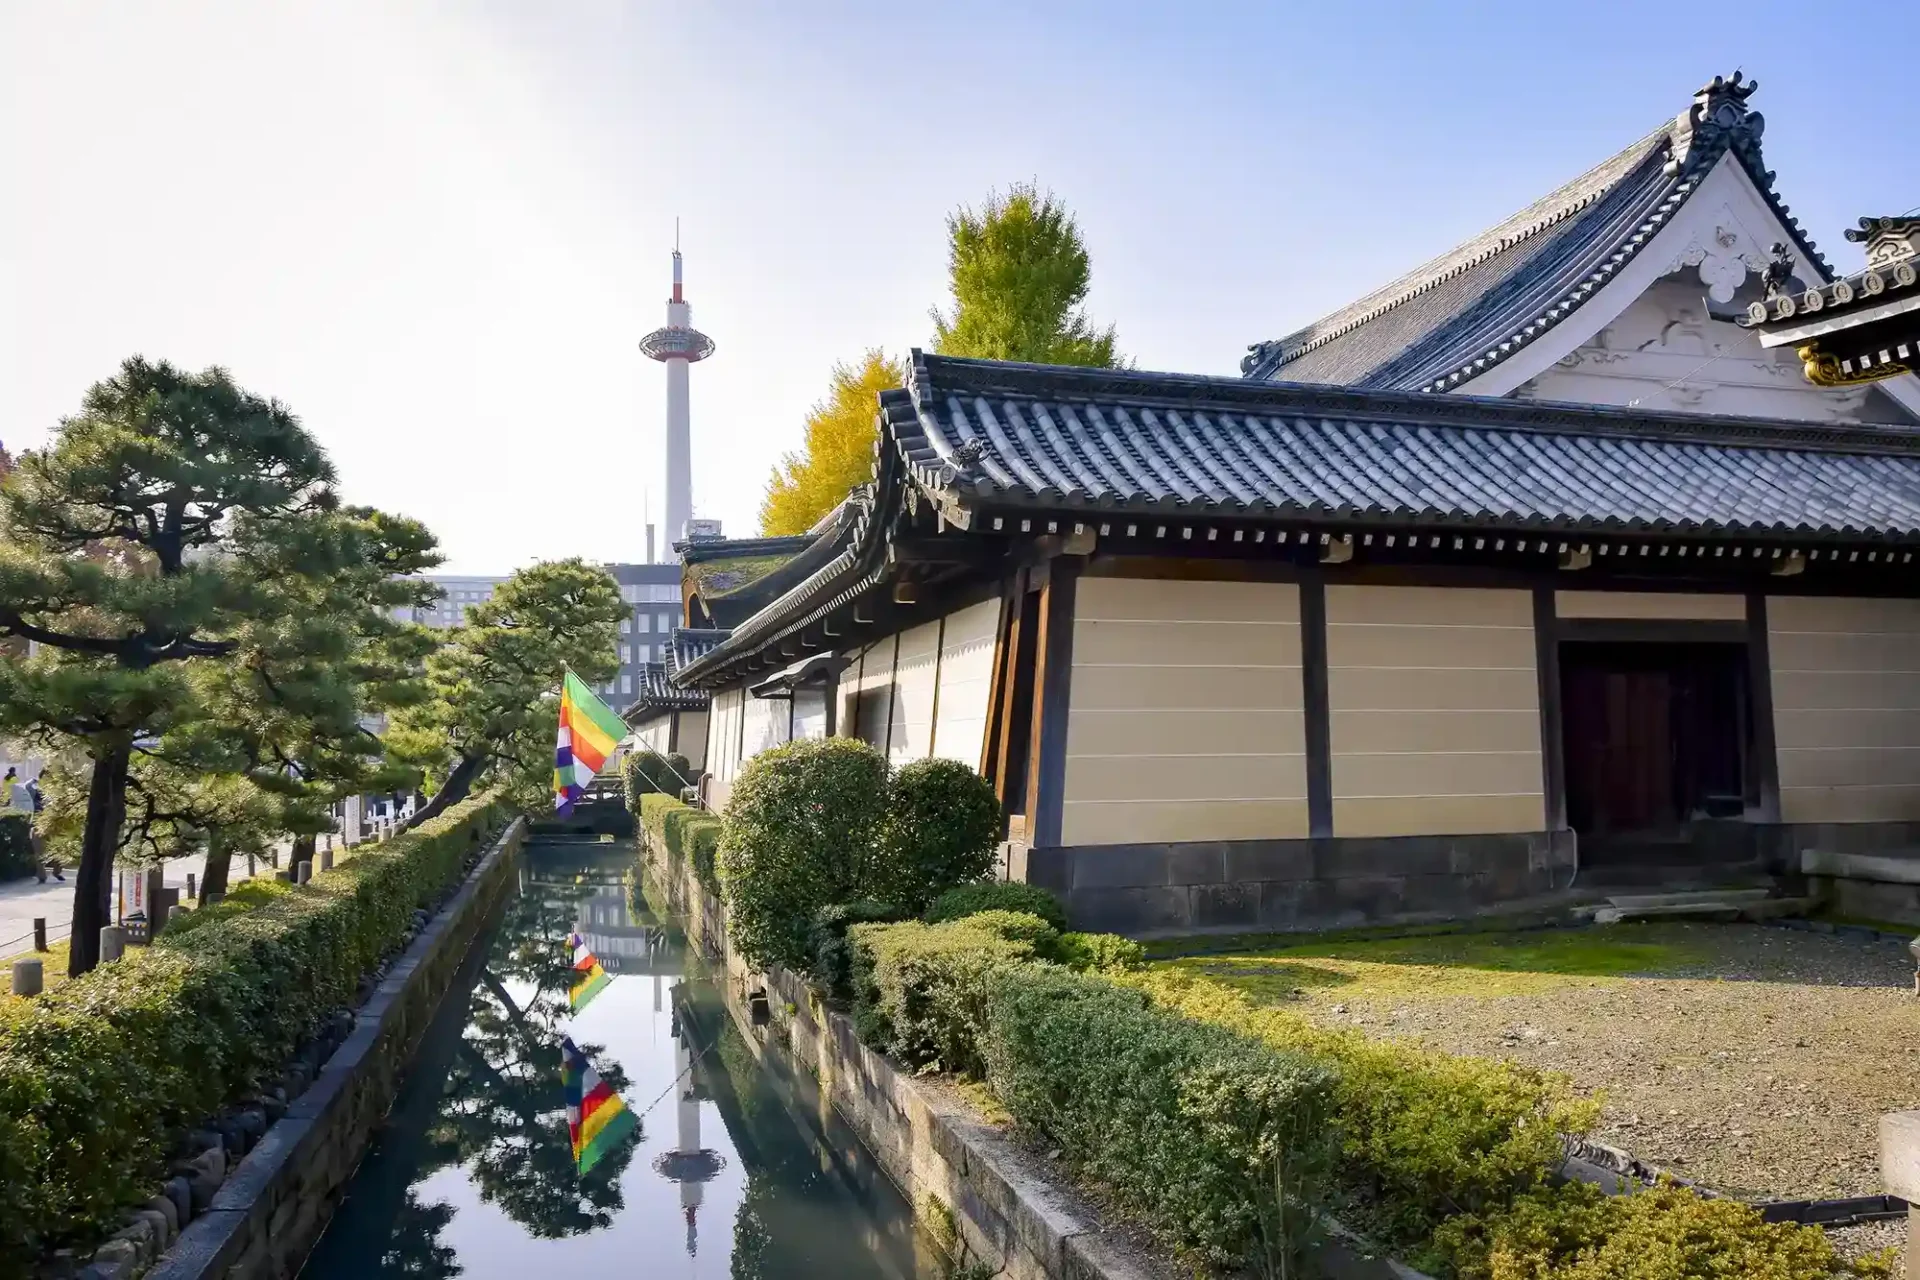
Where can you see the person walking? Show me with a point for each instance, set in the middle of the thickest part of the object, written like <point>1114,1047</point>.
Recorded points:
<point>39,804</point>
<point>17,801</point>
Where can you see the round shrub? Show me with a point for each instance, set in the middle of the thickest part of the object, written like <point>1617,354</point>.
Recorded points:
<point>798,834</point>
<point>997,895</point>
<point>1018,926</point>
<point>942,823</point>
<point>1099,952</point>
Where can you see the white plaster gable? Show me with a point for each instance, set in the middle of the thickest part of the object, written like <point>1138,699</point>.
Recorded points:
<point>1649,327</point>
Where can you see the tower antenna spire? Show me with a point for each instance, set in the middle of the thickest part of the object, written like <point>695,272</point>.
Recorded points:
<point>678,345</point>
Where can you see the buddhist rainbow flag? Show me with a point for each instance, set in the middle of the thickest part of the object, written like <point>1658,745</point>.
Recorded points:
<point>589,979</point>
<point>596,1118</point>
<point>589,730</point>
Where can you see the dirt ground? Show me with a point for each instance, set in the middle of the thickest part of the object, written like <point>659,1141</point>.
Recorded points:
<point>1755,1060</point>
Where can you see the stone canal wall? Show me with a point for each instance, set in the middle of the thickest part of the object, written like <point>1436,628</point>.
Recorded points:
<point>972,1189</point>
<point>272,1206</point>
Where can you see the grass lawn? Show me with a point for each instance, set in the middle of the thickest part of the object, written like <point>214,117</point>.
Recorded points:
<point>53,970</point>
<point>1757,1060</point>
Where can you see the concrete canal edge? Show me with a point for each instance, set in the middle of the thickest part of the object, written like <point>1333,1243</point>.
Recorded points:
<point>972,1189</point>
<point>273,1206</point>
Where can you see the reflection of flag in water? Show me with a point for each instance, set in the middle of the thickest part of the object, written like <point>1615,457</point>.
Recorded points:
<point>596,1118</point>
<point>589,731</point>
<point>589,979</point>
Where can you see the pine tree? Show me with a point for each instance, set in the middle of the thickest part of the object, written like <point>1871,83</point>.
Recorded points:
<point>123,557</point>
<point>492,704</point>
<point>837,451</point>
<point>1020,272</point>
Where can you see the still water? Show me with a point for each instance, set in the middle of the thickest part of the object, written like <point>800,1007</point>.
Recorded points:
<point>730,1172</point>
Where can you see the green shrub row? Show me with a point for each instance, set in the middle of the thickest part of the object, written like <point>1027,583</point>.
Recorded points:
<point>997,895</point>
<point>100,1076</point>
<point>1425,1135</point>
<point>644,772</point>
<point>920,990</point>
<point>686,833</point>
<point>1219,1142</point>
<point>833,951</point>
<point>1576,1232</point>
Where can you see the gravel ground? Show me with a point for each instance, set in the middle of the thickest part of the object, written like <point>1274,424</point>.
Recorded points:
<point>1755,1060</point>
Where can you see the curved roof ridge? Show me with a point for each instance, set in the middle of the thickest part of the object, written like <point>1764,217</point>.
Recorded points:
<point>1563,202</point>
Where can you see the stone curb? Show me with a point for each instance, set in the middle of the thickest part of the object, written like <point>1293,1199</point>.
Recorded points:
<point>271,1208</point>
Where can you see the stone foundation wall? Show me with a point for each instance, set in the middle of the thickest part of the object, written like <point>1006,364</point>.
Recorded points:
<point>966,1181</point>
<point>271,1209</point>
<point>1323,883</point>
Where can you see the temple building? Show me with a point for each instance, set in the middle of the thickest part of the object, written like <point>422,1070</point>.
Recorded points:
<point>1861,329</point>
<point>1531,568</point>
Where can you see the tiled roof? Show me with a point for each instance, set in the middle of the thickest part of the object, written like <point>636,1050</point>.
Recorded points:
<point>989,433</point>
<point>1451,319</point>
<point>992,445</point>
<point>658,693</point>
<point>688,643</point>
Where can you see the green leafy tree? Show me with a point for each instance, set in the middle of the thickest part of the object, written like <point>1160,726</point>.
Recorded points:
<point>837,451</point>
<point>124,556</point>
<point>1020,271</point>
<point>492,689</point>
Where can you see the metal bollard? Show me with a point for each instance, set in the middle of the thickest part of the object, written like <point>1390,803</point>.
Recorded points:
<point>29,977</point>
<point>302,872</point>
<point>326,857</point>
<point>39,933</point>
<point>113,942</point>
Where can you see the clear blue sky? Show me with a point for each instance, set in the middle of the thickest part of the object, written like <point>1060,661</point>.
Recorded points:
<point>437,231</point>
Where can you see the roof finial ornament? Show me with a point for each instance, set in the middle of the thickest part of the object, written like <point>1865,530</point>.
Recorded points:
<point>1888,240</point>
<point>1778,277</point>
<point>1717,115</point>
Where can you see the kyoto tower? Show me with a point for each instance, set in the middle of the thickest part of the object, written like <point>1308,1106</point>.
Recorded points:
<point>677,345</point>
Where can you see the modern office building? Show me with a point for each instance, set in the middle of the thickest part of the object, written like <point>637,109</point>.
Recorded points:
<point>457,595</point>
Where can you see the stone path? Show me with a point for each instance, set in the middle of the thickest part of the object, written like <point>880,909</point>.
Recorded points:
<point>22,900</point>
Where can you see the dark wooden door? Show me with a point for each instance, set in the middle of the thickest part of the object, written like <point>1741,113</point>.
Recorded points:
<point>1655,733</point>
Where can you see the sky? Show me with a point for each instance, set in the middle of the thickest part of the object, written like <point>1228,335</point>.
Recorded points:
<point>437,231</point>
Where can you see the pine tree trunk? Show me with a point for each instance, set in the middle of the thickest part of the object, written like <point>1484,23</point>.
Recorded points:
<point>93,882</point>
<point>302,852</point>
<point>458,784</point>
<point>213,879</point>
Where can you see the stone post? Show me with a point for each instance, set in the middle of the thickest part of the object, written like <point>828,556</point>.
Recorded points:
<point>1900,1170</point>
<point>190,892</point>
<point>326,857</point>
<point>113,942</point>
<point>39,933</point>
<point>302,872</point>
<point>28,976</point>
<point>284,877</point>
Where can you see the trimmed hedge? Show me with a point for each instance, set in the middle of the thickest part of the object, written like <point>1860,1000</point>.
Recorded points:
<point>1218,1141</point>
<point>941,825</point>
<point>1099,952</point>
<point>798,834</point>
<point>685,832</point>
<point>100,1076</point>
<point>997,895</point>
<point>832,953</point>
<point>1576,1232</point>
<point>920,990</point>
<point>1425,1135</point>
<point>642,773</point>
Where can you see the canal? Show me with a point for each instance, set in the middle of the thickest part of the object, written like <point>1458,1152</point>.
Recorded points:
<point>730,1172</point>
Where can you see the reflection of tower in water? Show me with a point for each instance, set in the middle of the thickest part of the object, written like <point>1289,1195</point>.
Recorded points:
<point>689,1164</point>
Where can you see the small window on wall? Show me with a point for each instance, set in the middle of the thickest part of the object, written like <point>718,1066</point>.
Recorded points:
<point>626,684</point>
<point>642,622</point>
<point>626,653</point>
<point>626,626</point>
<point>666,622</point>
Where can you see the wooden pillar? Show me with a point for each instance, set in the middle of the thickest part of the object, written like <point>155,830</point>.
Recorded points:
<point>1052,700</point>
<point>1553,743</point>
<point>1316,714</point>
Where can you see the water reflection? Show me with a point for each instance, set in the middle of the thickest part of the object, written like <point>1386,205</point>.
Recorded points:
<point>474,1175</point>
